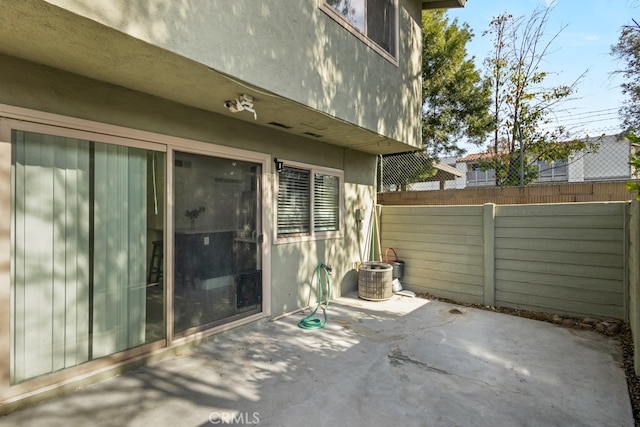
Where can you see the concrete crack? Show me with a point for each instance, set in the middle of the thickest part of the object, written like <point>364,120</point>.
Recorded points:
<point>397,358</point>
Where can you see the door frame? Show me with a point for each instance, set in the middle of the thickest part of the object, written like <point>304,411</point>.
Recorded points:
<point>195,147</point>
<point>170,260</point>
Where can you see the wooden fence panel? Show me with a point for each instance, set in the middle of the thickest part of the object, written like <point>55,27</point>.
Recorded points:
<point>545,193</point>
<point>564,258</point>
<point>442,248</point>
<point>579,274</point>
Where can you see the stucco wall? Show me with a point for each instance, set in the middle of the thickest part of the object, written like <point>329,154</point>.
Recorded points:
<point>326,67</point>
<point>294,265</point>
<point>34,86</point>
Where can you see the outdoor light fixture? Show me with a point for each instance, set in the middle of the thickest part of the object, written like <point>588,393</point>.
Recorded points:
<point>244,103</point>
<point>279,164</point>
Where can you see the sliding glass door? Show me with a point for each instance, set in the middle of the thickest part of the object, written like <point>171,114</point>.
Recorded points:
<point>217,235</point>
<point>89,246</point>
<point>85,216</point>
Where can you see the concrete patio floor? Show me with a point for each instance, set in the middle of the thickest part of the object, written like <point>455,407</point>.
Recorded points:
<point>404,362</point>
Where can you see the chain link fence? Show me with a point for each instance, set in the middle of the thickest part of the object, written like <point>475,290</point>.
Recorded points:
<point>605,159</point>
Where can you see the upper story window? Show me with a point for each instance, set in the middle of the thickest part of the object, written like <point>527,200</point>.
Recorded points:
<point>552,171</point>
<point>371,20</point>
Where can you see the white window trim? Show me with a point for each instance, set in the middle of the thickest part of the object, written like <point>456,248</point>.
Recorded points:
<point>312,236</point>
<point>329,11</point>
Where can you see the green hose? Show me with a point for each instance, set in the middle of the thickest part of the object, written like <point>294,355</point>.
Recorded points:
<point>310,322</point>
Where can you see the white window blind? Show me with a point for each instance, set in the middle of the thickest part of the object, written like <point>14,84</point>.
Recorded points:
<point>326,203</point>
<point>294,202</point>
<point>309,203</point>
<point>50,254</point>
<point>79,243</point>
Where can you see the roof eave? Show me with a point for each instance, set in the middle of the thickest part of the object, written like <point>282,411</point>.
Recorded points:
<point>442,4</point>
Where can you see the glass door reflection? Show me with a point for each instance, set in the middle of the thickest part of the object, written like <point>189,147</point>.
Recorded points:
<point>217,262</point>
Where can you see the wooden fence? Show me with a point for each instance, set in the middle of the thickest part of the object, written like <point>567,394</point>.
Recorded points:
<point>548,193</point>
<point>563,258</point>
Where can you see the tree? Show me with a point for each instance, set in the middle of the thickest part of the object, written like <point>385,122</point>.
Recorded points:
<point>455,104</point>
<point>456,99</point>
<point>628,49</point>
<point>634,161</point>
<point>521,104</point>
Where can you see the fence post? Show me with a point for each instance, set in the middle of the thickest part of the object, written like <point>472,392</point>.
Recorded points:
<point>629,213</point>
<point>489,227</point>
<point>633,261</point>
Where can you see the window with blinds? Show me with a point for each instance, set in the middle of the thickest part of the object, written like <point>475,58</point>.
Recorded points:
<point>309,203</point>
<point>326,206</point>
<point>294,202</point>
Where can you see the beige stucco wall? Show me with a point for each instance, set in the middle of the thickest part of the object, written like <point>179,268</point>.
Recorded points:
<point>295,282</point>
<point>326,67</point>
<point>29,85</point>
<point>161,83</point>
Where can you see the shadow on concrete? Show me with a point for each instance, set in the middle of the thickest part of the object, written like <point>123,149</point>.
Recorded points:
<point>402,361</point>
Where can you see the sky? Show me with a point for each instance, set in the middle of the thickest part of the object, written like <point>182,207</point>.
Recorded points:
<point>583,46</point>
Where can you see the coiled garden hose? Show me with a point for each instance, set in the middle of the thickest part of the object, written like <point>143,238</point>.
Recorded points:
<point>310,322</point>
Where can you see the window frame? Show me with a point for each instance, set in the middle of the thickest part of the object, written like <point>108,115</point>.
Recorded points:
<point>553,170</point>
<point>362,35</point>
<point>312,235</point>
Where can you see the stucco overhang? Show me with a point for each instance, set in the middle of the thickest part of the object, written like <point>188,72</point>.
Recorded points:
<point>442,4</point>
<point>43,33</point>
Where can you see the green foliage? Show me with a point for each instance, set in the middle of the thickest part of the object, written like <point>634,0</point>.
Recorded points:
<point>455,102</point>
<point>628,49</point>
<point>456,99</point>
<point>635,165</point>
<point>522,105</point>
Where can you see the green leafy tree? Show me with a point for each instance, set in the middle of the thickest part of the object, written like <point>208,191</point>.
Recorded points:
<point>455,105</point>
<point>522,105</point>
<point>628,49</point>
<point>456,99</point>
<point>635,165</point>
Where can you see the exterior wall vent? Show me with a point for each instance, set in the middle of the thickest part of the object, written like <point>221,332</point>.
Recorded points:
<point>280,125</point>
<point>315,135</point>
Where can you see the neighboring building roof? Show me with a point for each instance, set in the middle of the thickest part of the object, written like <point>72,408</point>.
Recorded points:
<point>475,156</point>
<point>445,172</point>
<point>487,155</point>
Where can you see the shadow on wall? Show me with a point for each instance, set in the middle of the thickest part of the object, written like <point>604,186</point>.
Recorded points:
<point>327,67</point>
